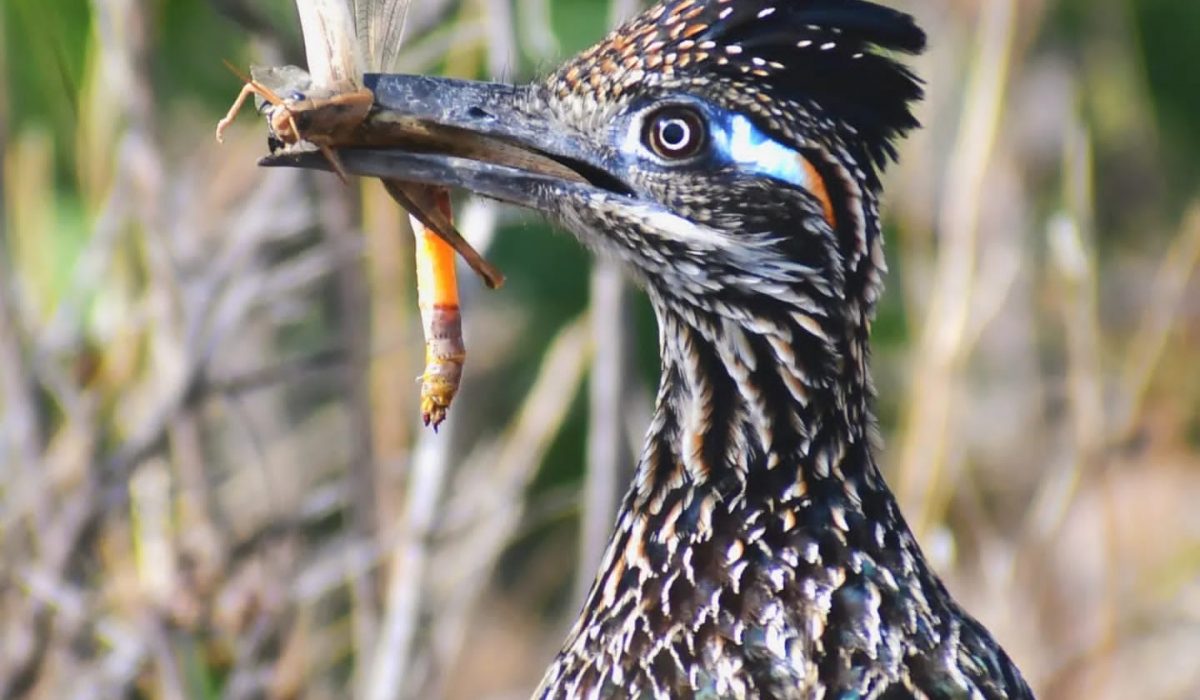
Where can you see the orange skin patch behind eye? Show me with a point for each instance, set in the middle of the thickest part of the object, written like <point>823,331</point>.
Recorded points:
<point>817,188</point>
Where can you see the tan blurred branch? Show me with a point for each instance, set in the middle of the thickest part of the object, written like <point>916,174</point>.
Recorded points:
<point>1176,270</point>
<point>607,468</point>
<point>943,347</point>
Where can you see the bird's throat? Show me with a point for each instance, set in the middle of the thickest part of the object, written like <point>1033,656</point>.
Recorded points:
<point>761,411</point>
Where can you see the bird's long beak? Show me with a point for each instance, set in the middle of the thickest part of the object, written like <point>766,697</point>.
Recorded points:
<point>464,134</point>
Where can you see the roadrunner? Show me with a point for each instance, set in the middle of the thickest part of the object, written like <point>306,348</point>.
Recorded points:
<point>729,152</point>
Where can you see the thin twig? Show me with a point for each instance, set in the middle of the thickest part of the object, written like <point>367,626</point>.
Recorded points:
<point>1175,272</point>
<point>607,457</point>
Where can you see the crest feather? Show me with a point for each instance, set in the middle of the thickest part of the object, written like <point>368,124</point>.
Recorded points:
<point>832,58</point>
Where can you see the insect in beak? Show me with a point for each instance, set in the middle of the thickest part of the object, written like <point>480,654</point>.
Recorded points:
<point>338,118</point>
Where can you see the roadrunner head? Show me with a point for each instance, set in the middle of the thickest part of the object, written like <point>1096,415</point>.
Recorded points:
<point>737,147</point>
<point>728,151</point>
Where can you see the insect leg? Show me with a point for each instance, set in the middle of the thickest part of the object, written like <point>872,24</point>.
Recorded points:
<point>407,195</point>
<point>248,89</point>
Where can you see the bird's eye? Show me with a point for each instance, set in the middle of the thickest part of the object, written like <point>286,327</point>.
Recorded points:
<point>675,133</point>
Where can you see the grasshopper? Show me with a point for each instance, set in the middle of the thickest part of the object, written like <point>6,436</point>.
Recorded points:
<point>333,117</point>
<point>325,117</point>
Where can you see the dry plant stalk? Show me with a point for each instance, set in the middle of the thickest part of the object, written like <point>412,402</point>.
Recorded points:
<point>333,113</point>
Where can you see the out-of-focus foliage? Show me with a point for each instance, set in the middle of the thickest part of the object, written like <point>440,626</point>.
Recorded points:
<point>212,480</point>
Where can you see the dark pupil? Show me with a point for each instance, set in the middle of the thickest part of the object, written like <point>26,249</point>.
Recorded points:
<point>674,134</point>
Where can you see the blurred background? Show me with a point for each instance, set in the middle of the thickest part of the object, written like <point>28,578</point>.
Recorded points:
<point>213,479</point>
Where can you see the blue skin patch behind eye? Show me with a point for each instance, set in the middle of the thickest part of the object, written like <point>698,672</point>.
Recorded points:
<point>736,140</point>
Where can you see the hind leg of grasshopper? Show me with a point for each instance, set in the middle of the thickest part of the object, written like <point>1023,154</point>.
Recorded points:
<point>335,163</point>
<point>419,201</point>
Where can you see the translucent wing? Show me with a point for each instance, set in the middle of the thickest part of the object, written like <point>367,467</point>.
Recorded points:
<point>380,26</point>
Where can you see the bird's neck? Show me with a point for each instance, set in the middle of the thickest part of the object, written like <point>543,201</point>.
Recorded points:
<point>758,514</point>
<point>761,433</point>
<point>763,409</point>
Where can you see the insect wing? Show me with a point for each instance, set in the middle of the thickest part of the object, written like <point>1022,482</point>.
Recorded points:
<point>380,25</point>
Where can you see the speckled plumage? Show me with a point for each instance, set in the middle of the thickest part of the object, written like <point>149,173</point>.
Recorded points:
<point>759,553</point>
